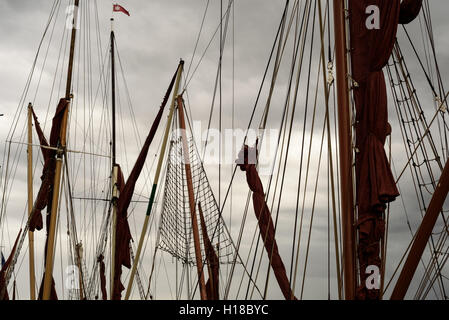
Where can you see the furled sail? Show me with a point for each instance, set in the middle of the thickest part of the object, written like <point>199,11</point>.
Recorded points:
<point>45,194</point>
<point>123,234</point>
<point>409,10</point>
<point>212,261</point>
<point>372,40</point>
<point>123,237</point>
<point>4,269</point>
<point>265,222</point>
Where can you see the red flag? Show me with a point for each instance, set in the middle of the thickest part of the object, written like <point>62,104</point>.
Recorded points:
<point>118,8</point>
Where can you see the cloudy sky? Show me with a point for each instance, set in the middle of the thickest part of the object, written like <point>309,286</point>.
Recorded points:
<point>150,43</point>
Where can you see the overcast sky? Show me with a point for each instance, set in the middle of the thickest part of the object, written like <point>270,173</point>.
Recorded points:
<point>150,43</point>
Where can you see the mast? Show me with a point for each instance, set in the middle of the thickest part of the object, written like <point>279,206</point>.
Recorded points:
<point>156,180</point>
<point>344,133</point>
<point>79,257</point>
<point>57,182</point>
<point>422,236</point>
<point>113,95</point>
<point>331,161</point>
<point>196,235</point>
<point>30,204</point>
<point>115,192</point>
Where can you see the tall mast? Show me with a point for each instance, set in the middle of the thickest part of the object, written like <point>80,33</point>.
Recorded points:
<point>156,180</point>
<point>113,95</point>
<point>331,162</point>
<point>30,204</point>
<point>196,235</point>
<point>57,182</point>
<point>344,133</point>
<point>115,192</point>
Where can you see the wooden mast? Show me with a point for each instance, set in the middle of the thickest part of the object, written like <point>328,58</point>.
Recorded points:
<point>326,87</point>
<point>156,180</point>
<point>114,160</point>
<point>196,235</point>
<point>422,236</point>
<point>344,133</point>
<point>57,182</point>
<point>79,257</point>
<point>30,204</point>
<point>115,192</point>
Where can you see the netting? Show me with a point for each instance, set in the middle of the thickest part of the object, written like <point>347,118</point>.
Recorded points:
<point>176,235</point>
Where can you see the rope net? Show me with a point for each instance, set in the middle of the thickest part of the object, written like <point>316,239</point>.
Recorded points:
<point>176,236</point>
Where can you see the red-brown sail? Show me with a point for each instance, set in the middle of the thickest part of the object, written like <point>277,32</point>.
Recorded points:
<point>265,222</point>
<point>45,194</point>
<point>123,234</point>
<point>4,270</point>
<point>371,46</point>
<point>123,237</point>
<point>53,294</point>
<point>212,261</point>
<point>409,10</point>
<point>40,134</point>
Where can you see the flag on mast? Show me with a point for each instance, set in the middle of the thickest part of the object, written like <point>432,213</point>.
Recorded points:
<point>118,8</point>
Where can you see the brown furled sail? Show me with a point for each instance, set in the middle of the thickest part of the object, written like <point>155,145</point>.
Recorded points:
<point>4,270</point>
<point>265,222</point>
<point>409,10</point>
<point>372,40</point>
<point>40,134</point>
<point>123,237</point>
<point>45,194</point>
<point>212,261</point>
<point>123,233</point>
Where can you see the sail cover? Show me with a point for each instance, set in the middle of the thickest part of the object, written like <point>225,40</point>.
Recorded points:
<point>373,27</point>
<point>265,222</point>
